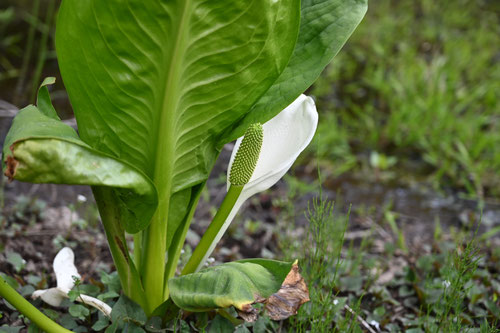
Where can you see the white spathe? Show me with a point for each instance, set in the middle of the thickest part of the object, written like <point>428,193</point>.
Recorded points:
<point>285,137</point>
<point>65,269</point>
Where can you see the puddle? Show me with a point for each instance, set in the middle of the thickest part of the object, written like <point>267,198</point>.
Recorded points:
<point>417,208</point>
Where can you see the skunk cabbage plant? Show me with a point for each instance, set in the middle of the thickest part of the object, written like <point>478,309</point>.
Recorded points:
<point>157,89</point>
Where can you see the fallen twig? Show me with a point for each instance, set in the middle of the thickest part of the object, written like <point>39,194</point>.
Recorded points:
<point>361,320</point>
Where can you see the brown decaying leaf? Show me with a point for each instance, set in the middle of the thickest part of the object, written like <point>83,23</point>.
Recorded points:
<point>249,314</point>
<point>292,294</point>
<point>12,164</point>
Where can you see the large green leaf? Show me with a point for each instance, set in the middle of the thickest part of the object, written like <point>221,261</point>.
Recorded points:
<point>325,27</point>
<point>39,148</point>
<point>155,83</point>
<point>237,284</point>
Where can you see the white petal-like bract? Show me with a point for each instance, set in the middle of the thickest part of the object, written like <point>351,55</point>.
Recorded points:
<point>285,137</point>
<point>65,269</point>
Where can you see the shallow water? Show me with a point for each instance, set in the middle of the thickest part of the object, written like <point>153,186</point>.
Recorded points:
<point>417,208</point>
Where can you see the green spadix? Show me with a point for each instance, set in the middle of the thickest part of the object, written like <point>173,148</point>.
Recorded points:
<point>247,155</point>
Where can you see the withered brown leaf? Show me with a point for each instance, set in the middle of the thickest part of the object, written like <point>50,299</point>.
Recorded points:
<point>292,294</point>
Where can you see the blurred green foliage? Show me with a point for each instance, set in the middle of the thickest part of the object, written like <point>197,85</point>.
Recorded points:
<point>27,49</point>
<point>419,80</point>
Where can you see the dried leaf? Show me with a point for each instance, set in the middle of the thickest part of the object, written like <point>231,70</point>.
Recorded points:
<point>249,315</point>
<point>248,312</point>
<point>292,294</point>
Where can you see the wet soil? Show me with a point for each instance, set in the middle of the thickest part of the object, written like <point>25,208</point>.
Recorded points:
<point>417,207</point>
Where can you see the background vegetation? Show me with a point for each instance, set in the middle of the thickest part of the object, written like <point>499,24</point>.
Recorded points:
<point>419,81</point>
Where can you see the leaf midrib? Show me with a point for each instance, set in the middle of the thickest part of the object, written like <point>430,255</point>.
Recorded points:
<point>165,132</point>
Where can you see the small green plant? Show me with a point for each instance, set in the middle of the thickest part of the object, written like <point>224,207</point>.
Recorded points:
<point>457,276</point>
<point>321,262</point>
<point>157,89</point>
